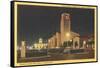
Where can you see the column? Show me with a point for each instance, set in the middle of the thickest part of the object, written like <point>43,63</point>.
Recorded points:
<point>23,49</point>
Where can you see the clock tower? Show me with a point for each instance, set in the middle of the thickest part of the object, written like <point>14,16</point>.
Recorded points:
<point>65,27</point>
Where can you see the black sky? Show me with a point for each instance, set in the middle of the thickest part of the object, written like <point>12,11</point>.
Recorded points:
<point>37,21</point>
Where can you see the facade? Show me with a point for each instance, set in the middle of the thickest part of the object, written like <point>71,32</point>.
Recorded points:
<point>58,39</point>
<point>65,34</point>
<point>40,45</point>
<point>65,27</point>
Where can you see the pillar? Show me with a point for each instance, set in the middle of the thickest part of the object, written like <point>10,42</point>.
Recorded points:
<point>23,49</point>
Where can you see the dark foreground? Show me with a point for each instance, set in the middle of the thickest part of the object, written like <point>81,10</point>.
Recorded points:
<point>87,54</point>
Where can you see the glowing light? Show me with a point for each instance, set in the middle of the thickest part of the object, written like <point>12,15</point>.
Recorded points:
<point>70,40</point>
<point>84,42</point>
<point>40,40</point>
<point>67,34</point>
<point>40,45</point>
<point>30,48</point>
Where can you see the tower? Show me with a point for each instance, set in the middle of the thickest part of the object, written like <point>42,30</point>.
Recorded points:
<point>65,27</point>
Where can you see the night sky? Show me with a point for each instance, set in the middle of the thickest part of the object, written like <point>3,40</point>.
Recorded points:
<point>36,21</point>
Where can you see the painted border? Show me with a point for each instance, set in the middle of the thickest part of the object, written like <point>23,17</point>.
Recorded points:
<point>14,9</point>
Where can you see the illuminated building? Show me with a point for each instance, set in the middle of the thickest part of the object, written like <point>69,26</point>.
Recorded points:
<point>65,33</point>
<point>40,45</point>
